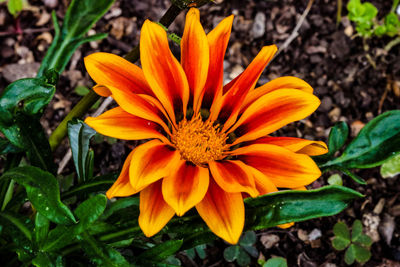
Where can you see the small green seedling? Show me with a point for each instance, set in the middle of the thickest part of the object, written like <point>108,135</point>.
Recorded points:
<point>274,262</point>
<point>200,250</point>
<point>391,167</point>
<point>367,25</point>
<point>357,244</point>
<point>15,6</point>
<point>243,250</point>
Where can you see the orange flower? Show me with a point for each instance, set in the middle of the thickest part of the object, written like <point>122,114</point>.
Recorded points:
<point>210,143</point>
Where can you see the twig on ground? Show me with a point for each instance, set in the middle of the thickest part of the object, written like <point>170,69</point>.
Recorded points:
<point>295,33</point>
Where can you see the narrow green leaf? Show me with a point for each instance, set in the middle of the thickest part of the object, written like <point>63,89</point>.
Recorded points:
<point>41,228</point>
<point>391,167</point>
<point>276,262</point>
<point>350,255</point>
<point>294,206</point>
<point>43,191</point>
<point>376,142</point>
<point>80,17</point>
<point>337,137</point>
<point>161,251</point>
<point>120,204</point>
<point>101,254</point>
<point>95,185</point>
<point>79,137</point>
<point>353,176</point>
<point>16,222</point>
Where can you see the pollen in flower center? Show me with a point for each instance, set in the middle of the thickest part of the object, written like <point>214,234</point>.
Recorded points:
<point>198,141</point>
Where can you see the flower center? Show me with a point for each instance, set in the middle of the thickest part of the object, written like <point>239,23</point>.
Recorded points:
<point>198,141</point>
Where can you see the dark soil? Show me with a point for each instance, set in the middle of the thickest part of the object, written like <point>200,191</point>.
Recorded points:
<point>324,54</point>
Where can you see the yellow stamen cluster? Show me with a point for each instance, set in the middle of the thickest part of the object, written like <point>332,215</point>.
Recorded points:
<point>199,142</point>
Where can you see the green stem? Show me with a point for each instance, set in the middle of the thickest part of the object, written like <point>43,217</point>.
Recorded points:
<point>124,232</point>
<point>394,5</point>
<point>88,100</point>
<point>392,43</point>
<point>18,224</point>
<point>79,110</point>
<point>339,12</point>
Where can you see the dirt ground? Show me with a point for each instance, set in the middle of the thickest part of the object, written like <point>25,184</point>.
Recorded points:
<point>324,54</point>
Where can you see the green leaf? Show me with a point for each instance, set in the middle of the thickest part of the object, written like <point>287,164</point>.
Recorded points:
<point>14,6</point>
<point>27,96</point>
<point>356,230</point>
<point>337,137</point>
<point>243,258</point>
<point>350,255</point>
<point>99,184</point>
<point>391,167</point>
<point>81,90</point>
<point>361,254</point>
<point>231,253</point>
<point>42,260</point>
<point>79,137</point>
<point>6,147</point>
<point>101,254</point>
<point>353,176</point>
<point>376,142</point>
<point>80,17</point>
<point>121,203</point>
<point>294,206</point>
<point>8,219</point>
<point>41,228</point>
<point>340,229</point>
<point>89,211</point>
<point>43,191</point>
<point>276,262</point>
<point>161,251</point>
<point>335,179</point>
<point>252,251</point>
<point>364,240</point>
<point>35,141</point>
<point>248,238</point>
<point>201,251</point>
<point>340,243</point>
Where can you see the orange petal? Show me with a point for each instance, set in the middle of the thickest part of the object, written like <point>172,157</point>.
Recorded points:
<point>163,72</point>
<point>185,187</point>
<point>122,186</point>
<point>223,213</point>
<point>218,40</point>
<point>283,167</point>
<point>120,124</point>
<point>298,145</point>
<point>233,99</point>
<point>102,90</point>
<point>287,82</point>
<point>136,105</point>
<point>154,211</point>
<point>151,162</point>
<point>195,56</point>
<point>273,111</point>
<point>263,184</point>
<point>233,176</point>
<point>112,70</point>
